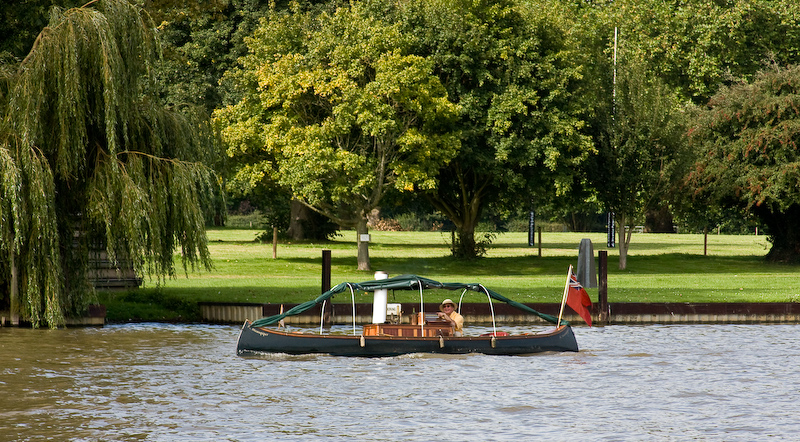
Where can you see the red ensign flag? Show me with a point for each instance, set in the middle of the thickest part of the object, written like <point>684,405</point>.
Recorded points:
<point>578,299</point>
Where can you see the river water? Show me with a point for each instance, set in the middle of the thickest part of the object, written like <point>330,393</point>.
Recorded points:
<point>158,382</point>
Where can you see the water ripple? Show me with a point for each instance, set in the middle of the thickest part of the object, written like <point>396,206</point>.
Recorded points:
<point>160,382</point>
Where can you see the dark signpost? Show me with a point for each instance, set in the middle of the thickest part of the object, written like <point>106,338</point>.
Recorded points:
<point>531,229</point>
<point>611,230</point>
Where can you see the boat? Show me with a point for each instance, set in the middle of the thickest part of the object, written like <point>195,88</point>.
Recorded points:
<point>419,333</point>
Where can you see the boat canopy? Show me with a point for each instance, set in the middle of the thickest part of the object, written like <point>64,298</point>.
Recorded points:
<point>402,282</point>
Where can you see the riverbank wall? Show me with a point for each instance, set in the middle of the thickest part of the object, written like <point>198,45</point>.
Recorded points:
<point>620,313</point>
<point>623,313</point>
<point>95,316</point>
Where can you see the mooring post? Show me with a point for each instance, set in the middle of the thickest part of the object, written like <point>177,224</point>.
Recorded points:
<point>326,270</point>
<point>602,293</point>
<point>326,285</point>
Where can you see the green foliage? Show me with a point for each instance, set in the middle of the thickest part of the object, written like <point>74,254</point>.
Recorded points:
<point>89,155</point>
<point>644,152</point>
<point>698,45</point>
<point>510,67</point>
<point>202,40</point>
<point>21,21</point>
<point>337,109</point>
<point>749,137</point>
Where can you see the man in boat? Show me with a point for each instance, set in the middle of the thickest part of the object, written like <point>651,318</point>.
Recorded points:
<point>448,313</point>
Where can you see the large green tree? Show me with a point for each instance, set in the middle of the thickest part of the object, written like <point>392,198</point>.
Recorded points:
<point>642,150</point>
<point>696,46</point>
<point>87,155</point>
<point>749,136</point>
<point>681,52</point>
<point>512,69</point>
<point>201,39</point>
<point>336,108</point>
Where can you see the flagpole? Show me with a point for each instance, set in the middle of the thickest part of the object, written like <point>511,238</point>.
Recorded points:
<point>564,298</point>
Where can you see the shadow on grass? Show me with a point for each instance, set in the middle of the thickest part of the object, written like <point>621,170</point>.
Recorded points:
<point>674,277</point>
<point>181,305</point>
<point>669,263</point>
<point>683,264</point>
<point>641,247</point>
<point>515,265</point>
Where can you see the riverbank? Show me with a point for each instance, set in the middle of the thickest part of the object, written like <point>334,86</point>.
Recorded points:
<point>623,313</point>
<point>663,269</point>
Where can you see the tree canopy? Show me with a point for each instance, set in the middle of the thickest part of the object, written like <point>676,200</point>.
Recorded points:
<point>337,109</point>
<point>749,135</point>
<point>671,56</point>
<point>510,68</point>
<point>696,46</point>
<point>644,154</point>
<point>87,154</point>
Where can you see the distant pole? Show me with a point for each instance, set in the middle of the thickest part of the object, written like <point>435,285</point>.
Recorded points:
<point>274,242</point>
<point>705,241</point>
<point>614,80</point>
<point>326,270</point>
<point>602,293</point>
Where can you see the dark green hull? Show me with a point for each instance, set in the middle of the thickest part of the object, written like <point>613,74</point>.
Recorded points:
<point>255,340</point>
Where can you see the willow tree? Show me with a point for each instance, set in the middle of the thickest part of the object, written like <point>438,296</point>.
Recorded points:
<point>87,156</point>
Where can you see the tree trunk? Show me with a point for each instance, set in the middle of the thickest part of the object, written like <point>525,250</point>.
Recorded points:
<point>297,219</point>
<point>783,229</point>
<point>465,246</point>
<point>659,221</point>
<point>363,246</point>
<point>462,203</point>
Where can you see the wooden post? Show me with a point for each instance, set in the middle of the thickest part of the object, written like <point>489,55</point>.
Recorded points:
<point>602,293</point>
<point>326,285</point>
<point>705,241</point>
<point>540,241</point>
<point>326,270</point>
<point>274,242</point>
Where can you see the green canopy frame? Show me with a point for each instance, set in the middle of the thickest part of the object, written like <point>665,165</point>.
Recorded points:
<point>402,282</point>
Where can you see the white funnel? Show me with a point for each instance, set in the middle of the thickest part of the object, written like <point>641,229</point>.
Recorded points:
<point>379,301</point>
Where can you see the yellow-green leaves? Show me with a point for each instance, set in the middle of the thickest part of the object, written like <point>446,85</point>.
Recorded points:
<point>344,112</point>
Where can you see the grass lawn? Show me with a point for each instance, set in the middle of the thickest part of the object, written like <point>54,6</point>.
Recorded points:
<point>661,268</point>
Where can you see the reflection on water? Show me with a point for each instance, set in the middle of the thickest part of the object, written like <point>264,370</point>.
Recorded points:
<point>184,382</point>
